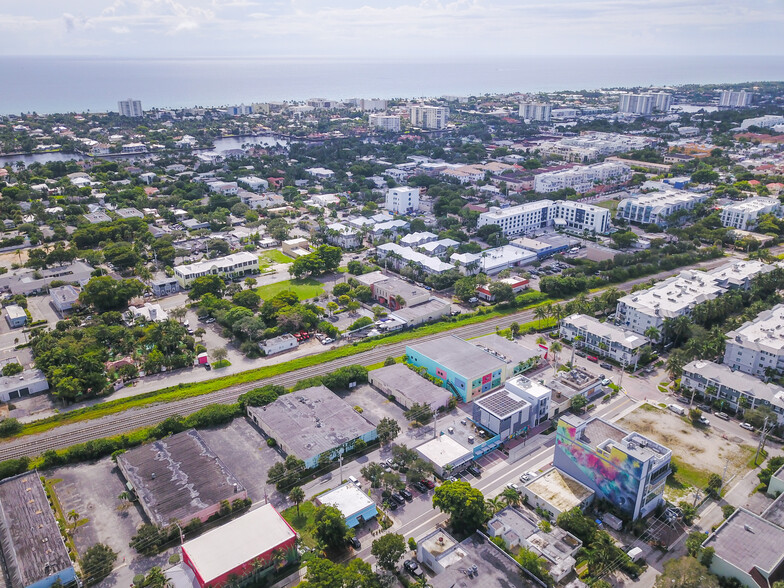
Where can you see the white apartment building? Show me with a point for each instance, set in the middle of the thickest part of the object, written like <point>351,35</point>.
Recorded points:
<point>429,117</point>
<point>635,103</point>
<point>584,178</point>
<point>758,345</point>
<point>767,121</point>
<point>590,145</point>
<point>534,216</point>
<point>130,107</point>
<point>343,236</point>
<point>662,101</point>
<point>677,296</point>
<point>402,200</point>
<point>655,207</point>
<point>538,111</point>
<point>732,99</point>
<point>385,122</point>
<point>368,104</point>
<point>743,215</point>
<point>604,338</point>
<point>236,264</point>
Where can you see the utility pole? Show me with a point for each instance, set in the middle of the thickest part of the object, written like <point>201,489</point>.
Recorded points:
<point>724,473</point>
<point>340,462</point>
<point>761,444</point>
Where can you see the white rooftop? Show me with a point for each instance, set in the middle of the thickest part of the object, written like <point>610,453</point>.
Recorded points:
<point>347,498</point>
<point>606,330</point>
<point>764,333</point>
<point>752,204</point>
<point>442,450</point>
<point>237,542</point>
<point>225,263</point>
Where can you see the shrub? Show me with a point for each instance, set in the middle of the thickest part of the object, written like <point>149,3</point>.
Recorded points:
<point>9,427</point>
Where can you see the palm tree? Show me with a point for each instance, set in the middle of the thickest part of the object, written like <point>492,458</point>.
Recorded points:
<point>511,497</point>
<point>540,312</point>
<point>494,504</point>
<point>652,333</point>
<point>555,348</point>
<point>297,496</point>
<point>601,554</point>
<point>178,313</point>
<point>575,342</point>
<point>675,362</point>
<point>72,516</point>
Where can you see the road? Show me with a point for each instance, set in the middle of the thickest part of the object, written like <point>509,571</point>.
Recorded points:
<point>70,434</point>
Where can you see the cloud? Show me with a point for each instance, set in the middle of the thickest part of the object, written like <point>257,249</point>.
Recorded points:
<point>120,30</point>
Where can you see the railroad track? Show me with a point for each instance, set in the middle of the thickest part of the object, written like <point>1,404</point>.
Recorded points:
<point>126,421</point>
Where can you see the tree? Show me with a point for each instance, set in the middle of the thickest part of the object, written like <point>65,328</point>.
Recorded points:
<point>389,361</point>
<point>297,496</point>
<point>11,369</point>
<point>207,284</point>
<point>419,413</point>
<point>579,525</point>
<point>388,549</point>
<point>387,429</point>
<point>330,528</point>
<point>97,563</point>
<point>372,472</point>
<point>694,543</point>
<point>601,553</point>
<point>247,298</point>
<point>105,293</point>
<point>714,485</point>
<point>652,333</point>
<point>514,328</point>
<point>73,518</point>
<point>624,239</point>
<point>535,565</point>
<point>220,354</point>
<point>155,578</point>
<point>511,496</point>
<point>686,572</point>
<point>578,403</point>
<point>464,504</point>
<point>465,288</point>
<point>501,292</point>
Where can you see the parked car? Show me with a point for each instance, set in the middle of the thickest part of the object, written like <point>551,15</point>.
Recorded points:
<point>606,382</point>
<point>527,476</point>
<point>407,495</point>
<point>592,358</point>
<point>419,486</point>
<point>397,498</point>
<point>606,366</point>
<point>746,426</point>
<point>412,568</point>
<point>392,505</point>
<point>704,422</point>
<point>207,367</point>
<point>513,486</point>
<point>354,542</point>
<point>580,353</point>
<point>723,416</point>
<point>429,483</point>
<point>474,470</point>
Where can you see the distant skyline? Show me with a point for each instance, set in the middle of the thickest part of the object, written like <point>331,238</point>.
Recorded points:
<point>390,29</point>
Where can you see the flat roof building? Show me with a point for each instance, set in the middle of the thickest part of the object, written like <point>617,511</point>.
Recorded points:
<point>445,455</point>
<point>757,346</point>
<point>627,469</point>
<point>655,207</point>
<point>23,384</point>
<point>236,264</point>
<point>604,338</point>
<point>539,215</point>
<point>502,413</point>
<point>312,422</point>
<point>407,387</point>
<point>15,316</point>
<point>749,548</point>
<point>179,478</point>
<point>232,549</point>
<point>556,492</point>
<point>33,551</point>
<point>745,214</point>
<point>354,504</point>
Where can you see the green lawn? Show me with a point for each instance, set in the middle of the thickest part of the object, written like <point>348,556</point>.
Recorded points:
<point>307,288</point>
<point>273,256</point>
<point>690,476</point>
<point>302,523</point>
<point>611,205</point>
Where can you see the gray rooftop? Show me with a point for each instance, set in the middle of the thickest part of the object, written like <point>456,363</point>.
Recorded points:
<point>405,382</point>
<point>775,511</point>
<point>33,548</point>
<point>23,281</point>
<point>573,382</point>
<point>504,349</point>
<point>746,541</point>
<point>178,476</point>
<point>26,377</point>
<point>502,403</point>
<point>723,375</point>
<point>459,356</point>
<point>411,313</point>
<point>556,545</point>
<point>311,421</point>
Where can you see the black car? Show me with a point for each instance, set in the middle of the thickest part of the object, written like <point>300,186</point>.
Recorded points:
<point>392,505</point>
<point>606,366</point>
<point>474,470</point>
<point>420,487</point>
<point>412,568</point>
<point>407,495</point>
<point>397,498</point>
<point>354,542</point>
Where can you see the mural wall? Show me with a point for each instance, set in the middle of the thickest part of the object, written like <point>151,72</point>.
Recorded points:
<point>613,475</point>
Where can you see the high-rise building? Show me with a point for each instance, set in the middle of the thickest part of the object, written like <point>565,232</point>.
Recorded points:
<point>662,101</point>
<point>130,107</point>
<point>385,122</point>
<point>732,99</point>
<point>429,117</point>
<point>636,103</point>
<point>536,111</point>
<point>402,200</point>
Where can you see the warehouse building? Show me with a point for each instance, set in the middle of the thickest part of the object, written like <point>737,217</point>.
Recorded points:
<point>312,422</point>
<point>232,549</point>
<point>33,551</point>
<point>407,387</point>
<point>26,383</point>
<point>354,504</point>
<point>446,455</point>
<point>279,344</point>
<point>179,478</point>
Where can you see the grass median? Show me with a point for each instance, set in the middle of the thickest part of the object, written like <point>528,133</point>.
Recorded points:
<point>184,391</point>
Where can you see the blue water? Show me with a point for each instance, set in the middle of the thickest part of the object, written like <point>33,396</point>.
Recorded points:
<point>53,84</point>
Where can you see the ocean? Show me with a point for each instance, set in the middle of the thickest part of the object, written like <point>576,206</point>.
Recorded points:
<point>67,84</point>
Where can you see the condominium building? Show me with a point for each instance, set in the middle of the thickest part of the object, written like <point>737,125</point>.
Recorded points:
<point>655,207</point>
<point>402,200</point>
<point>603,338</point>
<point>636,103</point>
<point>677,296</point>
<point>236,264</point>
<point>662,101</point>
<point>429,117</point>
<point>627,469</point>
<point>757,347</point>
<point>744,215</point>
<point>590,145</point>
<point>130,107</point>
<point>538,111</point>
<point>385,122</point>
<point>534,216</point>
<point>767,121</point>
<point>583,179</point>
<point>721,382</point>
<point>732,99</point>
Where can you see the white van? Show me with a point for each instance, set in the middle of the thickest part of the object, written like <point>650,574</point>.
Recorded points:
<point>354,481</point>
<point>677,409</point>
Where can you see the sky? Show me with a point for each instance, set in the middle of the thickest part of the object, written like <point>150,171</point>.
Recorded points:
<point>389,29</point>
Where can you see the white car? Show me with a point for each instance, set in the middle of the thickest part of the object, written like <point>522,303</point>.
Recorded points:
<point>527,476</point>
<point>513,486</point>
<point>746,426</point>
<point>606,382</point>
<point>327,341</point>
<point>704,421</point>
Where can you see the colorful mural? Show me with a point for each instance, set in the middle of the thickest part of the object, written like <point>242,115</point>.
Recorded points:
<point>614,475</point>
